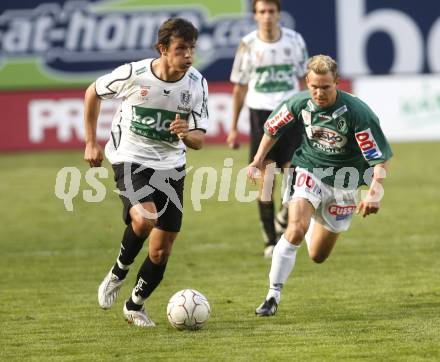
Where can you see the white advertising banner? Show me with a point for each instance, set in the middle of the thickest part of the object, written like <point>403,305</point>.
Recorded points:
<point>408,106</point>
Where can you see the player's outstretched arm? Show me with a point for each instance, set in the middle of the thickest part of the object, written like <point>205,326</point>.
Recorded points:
<point>92,105</point>
<point>257,164</point>
<point>238,95</point>
<point>371,203</point>
<point>194,139</point>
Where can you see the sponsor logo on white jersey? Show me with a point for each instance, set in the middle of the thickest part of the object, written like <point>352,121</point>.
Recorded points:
<point>185,97</point>
<point>274,78</point>
<point>143,92</point>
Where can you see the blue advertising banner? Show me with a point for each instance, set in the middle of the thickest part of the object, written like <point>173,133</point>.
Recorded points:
<point>47,44</point>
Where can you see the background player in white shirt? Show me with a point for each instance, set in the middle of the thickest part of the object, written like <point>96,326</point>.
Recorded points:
<point>163,111</point>
<point>268,68</point>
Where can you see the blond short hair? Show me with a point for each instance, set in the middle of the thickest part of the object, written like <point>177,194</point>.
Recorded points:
<point>322,64</point>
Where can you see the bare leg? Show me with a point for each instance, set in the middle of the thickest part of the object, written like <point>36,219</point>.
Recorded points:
<point>321,243</point>
<point>160,245</point>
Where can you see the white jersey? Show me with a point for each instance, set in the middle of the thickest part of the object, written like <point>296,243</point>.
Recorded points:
<point>271,70</point>
<point>140,128</point>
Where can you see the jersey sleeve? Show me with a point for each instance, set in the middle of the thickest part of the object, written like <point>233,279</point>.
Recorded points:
<point>280,120</point>
<point>370,138</point>
<point>198,118</point>
<point>116,83</point>
<point>241,68</point>
<point>302,55</point>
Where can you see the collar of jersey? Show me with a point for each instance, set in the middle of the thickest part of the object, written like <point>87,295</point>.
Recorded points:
<point>165,81</point>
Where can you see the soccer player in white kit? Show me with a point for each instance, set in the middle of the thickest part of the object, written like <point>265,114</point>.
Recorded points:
<point>163,111</point>
<point>268,67</point>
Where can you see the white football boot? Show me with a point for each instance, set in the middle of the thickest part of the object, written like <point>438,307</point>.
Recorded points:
<point>268,251</point>
<point>108,290</point>
<point>138,318</point>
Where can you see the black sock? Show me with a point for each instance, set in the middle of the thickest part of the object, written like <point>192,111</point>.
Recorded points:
<point>282,215</point>
<point>132,305</point>
<point>130,246</point>
<point>267,212</point>
<point>149,277</point>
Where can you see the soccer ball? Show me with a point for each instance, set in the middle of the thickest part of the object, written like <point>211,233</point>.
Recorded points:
<point>188,309</point>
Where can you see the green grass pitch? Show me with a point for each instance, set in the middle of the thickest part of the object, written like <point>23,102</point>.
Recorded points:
<point>376,298</point>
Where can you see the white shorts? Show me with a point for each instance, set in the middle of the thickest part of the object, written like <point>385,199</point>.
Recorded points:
<point>334,207</point>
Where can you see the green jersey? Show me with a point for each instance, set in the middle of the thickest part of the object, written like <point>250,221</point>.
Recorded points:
<point>340,143</point>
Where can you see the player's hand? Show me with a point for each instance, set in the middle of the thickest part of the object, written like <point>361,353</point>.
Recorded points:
<point>179,127</point>
<point>254,170</point>
<point>93,154</point>
<point>367,207</point>
<point>232,140</point>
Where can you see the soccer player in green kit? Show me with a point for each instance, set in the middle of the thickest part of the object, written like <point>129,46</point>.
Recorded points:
<point>343,148</point>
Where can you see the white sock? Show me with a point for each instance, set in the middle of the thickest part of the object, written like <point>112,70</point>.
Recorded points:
<point>308,236</point>
<point>137,299</point>
<point>122,266</point>
<point>283,261</point>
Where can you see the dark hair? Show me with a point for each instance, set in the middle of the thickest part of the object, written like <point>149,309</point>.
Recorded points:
<point>276,2</point>
<point>177,27</point>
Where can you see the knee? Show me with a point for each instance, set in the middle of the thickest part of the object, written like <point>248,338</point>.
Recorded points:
<point>295,233</point>
<point>318,258</point>
<point>159,256</point>
<point>141,225</point>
